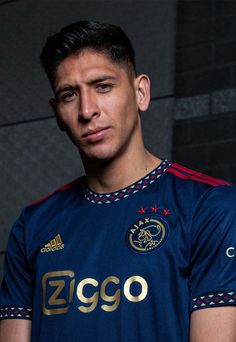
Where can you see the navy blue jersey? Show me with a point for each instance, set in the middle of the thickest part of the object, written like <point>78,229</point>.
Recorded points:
<point>125,266</point>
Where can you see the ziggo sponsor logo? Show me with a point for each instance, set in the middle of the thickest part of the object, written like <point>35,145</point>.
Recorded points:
<point>59,288</point>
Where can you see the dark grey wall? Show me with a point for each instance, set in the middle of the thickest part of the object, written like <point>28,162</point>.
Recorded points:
<point>206,46</point>
<point>35,156</point>
<point>205,110</point>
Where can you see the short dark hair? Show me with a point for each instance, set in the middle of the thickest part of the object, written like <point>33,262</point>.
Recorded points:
<point>72,39</point>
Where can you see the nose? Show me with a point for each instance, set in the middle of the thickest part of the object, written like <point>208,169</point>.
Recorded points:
<point>88,105</point>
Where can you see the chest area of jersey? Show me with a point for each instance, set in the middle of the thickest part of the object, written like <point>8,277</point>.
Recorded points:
<point>108,237</point>
<point>108,256</point>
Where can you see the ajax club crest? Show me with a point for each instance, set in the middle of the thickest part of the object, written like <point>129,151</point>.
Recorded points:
<point>147,234</point>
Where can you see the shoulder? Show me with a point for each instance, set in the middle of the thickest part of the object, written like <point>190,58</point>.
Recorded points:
<point>193,183</point>
<point>38,218</point>
<point>63,190</point>
<point>194,190</point>
<point>52,204</point>
<point>194,177</point>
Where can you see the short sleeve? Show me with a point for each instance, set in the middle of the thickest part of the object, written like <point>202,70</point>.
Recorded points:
<point>213,260</point>
<point>16,289</point>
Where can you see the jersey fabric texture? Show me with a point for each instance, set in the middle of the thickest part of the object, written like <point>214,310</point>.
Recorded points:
<point>125,266</point>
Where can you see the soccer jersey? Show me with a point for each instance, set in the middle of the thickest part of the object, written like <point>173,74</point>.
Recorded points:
<point>125,266</point>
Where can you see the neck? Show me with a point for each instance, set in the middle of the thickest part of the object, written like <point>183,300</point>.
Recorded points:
<point>119,173</point>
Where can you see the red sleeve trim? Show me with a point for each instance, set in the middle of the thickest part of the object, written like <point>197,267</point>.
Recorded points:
<point>7,312</point>
<point>64,187</point>
<point>185,173</point>
<point>213,299</point>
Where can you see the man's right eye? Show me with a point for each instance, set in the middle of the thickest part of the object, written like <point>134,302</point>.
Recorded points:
<point>68,96</point>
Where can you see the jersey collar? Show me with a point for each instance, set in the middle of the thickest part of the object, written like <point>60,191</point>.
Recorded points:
<point>106,198</point>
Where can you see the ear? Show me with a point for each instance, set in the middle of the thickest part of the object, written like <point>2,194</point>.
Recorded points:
<point>142,86</point>
<point>53,105</point>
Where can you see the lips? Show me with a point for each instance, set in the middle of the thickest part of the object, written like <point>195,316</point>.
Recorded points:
<point>96,134</point>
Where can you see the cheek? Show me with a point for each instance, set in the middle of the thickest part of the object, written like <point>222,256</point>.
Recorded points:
<point>119,108</point>
<point>67,116</point>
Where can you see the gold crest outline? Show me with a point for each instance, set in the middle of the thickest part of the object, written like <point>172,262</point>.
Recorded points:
<point>147,234</point>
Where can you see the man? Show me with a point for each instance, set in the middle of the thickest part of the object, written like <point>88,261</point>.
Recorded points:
<point>137,250</point>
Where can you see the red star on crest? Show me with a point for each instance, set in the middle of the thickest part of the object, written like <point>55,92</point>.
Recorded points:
<point>166,212</point>
<point>154,209</point>
<point>141,211</point>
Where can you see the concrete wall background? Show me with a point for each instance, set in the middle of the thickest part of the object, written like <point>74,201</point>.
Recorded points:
<point>205,105</point>
<point>35,156</point>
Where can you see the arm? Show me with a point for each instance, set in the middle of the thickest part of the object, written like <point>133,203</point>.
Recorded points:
<point>213,325</point>
<point>16,289</point>
<point>213,276</point>
<point>12,330</point>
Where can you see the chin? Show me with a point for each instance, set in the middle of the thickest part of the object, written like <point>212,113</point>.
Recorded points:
<point>103,158</point>
<point>97,156</point>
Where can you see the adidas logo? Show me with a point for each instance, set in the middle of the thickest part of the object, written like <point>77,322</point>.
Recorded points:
<point>54,245</point>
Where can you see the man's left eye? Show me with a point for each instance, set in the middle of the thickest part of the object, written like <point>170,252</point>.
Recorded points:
<point>103,88</point>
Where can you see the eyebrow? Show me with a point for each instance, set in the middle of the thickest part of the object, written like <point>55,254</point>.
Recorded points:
<point>66,87</point>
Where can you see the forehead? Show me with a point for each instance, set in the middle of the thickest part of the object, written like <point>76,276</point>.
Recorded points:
<point>86,66</point>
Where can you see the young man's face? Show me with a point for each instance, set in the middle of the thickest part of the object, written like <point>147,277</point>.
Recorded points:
<point>97,104</point>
